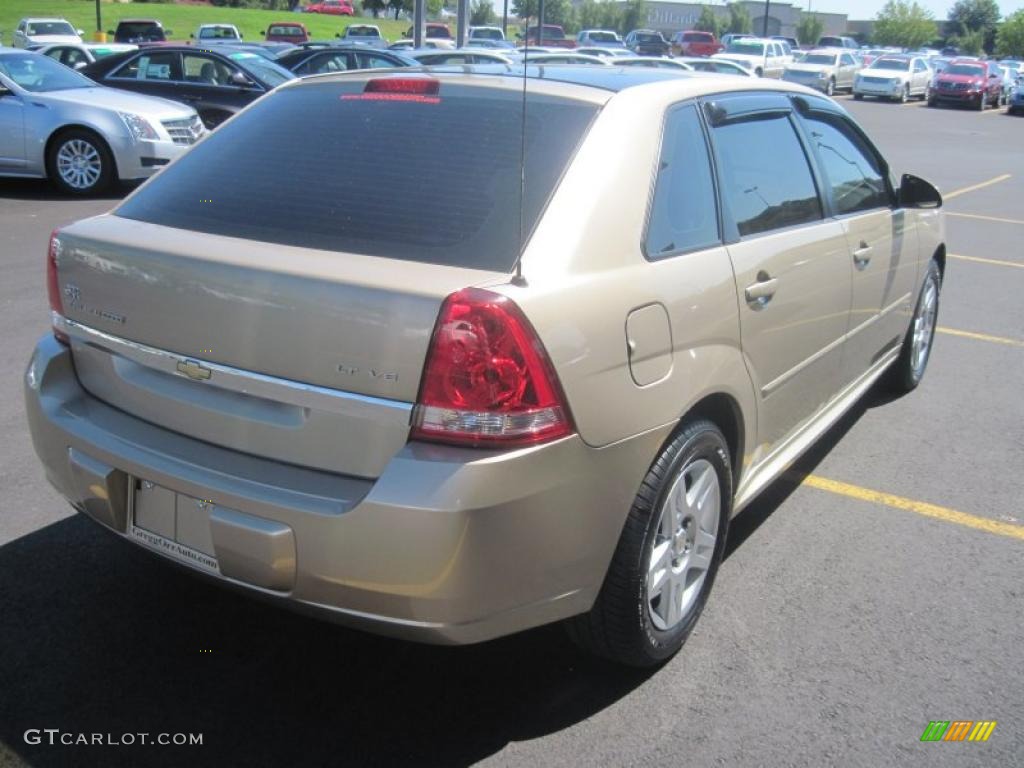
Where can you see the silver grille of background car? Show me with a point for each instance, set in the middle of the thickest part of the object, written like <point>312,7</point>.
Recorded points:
<point>185,131</point>
<point>876,80</point>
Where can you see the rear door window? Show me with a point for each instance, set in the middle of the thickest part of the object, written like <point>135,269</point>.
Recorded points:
<point>683,215</point>
<point>765,175</point>
<point>151,66</point>
<point>425,179</point>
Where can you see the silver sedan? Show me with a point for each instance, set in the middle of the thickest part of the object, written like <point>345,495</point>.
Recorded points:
<point>86,137</point>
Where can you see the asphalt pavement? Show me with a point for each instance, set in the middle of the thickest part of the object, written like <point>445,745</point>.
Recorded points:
<point>875,589</point>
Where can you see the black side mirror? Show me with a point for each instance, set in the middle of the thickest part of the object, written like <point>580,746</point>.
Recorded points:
<point>918,193</point>
<point>4,91</point>
<point>239,79</point>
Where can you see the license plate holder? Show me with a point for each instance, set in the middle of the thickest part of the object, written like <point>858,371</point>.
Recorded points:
<point>174,524</point>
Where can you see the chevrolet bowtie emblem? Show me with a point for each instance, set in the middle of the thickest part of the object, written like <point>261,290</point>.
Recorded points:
<point>193,370</point>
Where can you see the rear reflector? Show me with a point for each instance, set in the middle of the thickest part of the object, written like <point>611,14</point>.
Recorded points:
<point>53,288</point>
<point>488,381</point>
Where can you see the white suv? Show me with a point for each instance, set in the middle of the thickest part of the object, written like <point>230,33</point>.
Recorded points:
<point>45,32</point>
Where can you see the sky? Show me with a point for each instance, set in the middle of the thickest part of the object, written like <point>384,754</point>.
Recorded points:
<point>867,9</point>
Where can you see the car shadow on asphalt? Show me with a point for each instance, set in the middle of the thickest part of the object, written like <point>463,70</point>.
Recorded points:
<point>98,637</point>
<point>743,526</point>
<point>41,189</point>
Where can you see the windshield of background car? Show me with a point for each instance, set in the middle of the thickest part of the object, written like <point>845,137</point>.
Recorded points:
<point>217,33</point>
<point>362,32</point>
<point>820,58</point>
<point>487,34</point>
<point>270,72</point>
<point>140,31</point>
<point>603,37</point>
<point>324,165</point>
<point>964,69</point>
<point>748,49</point>
<point>645,37</point>
<point>896,65</point>
<point>40,74</point>
<point>51,28</point>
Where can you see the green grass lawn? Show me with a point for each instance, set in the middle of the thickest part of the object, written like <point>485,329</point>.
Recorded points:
<point>180,19</point>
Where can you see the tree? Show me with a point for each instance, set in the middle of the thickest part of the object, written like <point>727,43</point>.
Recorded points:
<point>1010,37</point>
<point>709,22</point>
<point>968,16</point>
<point>904,24</point>
<point>555,11</point>
<point>739,19</point>
<point>634,16</point>
<point>809,30</point>
<point>598,14</point>
<point>481,13</point>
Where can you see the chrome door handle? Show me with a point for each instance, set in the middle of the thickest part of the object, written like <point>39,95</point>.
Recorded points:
<point>862,255</point>
<point>761,292</point>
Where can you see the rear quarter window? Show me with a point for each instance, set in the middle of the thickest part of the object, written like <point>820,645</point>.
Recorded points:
<point>415,180</point>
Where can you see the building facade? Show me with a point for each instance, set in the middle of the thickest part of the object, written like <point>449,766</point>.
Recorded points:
<point>670,17</point>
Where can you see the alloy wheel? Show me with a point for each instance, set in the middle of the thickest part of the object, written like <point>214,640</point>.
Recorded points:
<point>79,164</point>
<point>684,544</point>
<point>924,327</point>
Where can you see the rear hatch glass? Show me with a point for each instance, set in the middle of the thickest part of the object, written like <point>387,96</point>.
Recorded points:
<point>435,180</point>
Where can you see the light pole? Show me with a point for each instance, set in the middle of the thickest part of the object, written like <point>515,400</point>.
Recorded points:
<point>767,8</point>
<point>99,21</point>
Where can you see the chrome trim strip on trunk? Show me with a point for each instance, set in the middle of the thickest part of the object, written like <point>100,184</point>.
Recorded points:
<point>238,380</point>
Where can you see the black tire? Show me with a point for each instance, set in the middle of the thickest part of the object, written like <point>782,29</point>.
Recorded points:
<point>858,97</point>
<point>904,96</point>
<point>903,375</point>
<point>108,170</point>
<point>830,89</point>
<point>619,627</point>
<point>982,102</point>
<point>932,102</point>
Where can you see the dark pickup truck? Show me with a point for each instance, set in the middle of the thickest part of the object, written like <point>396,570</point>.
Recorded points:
<point>140,31</point>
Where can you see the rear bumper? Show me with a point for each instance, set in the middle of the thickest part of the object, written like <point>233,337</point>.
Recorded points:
<point>448,545</point>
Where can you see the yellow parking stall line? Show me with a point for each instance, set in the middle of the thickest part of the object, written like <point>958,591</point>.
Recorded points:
<point>980,336</point>
<point>981,260</point>
<point>975,187</point>
<point>923,508</point>
<point>984,218</point>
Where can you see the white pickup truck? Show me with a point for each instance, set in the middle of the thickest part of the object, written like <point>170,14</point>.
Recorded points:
<point>213,34</point>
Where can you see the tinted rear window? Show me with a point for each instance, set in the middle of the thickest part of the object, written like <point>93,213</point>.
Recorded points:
<point>415,180</point>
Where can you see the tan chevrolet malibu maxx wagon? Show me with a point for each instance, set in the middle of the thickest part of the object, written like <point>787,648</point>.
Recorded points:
<point>372,350</point>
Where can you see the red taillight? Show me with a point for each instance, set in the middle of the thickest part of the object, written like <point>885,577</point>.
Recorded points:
<point>487,381</point>
<point>52,287</point>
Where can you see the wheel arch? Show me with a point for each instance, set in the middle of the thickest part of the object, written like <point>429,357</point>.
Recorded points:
<point>724,411</point>
<point>62,129</point>
<point>940,259</point>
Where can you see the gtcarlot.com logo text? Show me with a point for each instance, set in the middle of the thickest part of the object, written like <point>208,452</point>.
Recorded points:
<point>55,736</point>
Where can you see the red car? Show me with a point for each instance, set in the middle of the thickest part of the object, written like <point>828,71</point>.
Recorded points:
<point>968,81</point>
<point>695,43</point>
<point>553,37</point>
<point>287,32</point>
<point>332,7</point>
